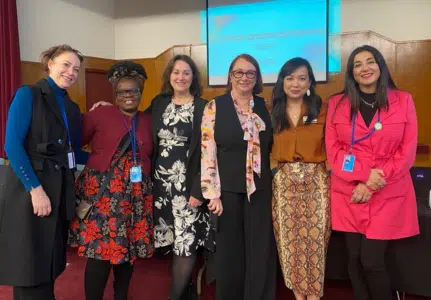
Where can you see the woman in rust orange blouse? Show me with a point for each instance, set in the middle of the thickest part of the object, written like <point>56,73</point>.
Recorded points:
<point>300,203</point>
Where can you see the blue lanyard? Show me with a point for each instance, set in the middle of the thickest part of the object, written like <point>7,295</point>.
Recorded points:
<point>66,124</point>
<point>132,133</point>
<point>353,141</point>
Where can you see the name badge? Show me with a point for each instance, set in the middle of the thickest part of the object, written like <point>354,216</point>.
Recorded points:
<point>181,138</point>
<point>135,174</point>
<point>71,159</point>
<point>348,163</point>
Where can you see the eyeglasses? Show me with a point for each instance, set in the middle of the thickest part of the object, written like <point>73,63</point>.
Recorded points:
<point>131,92</point>
<point>248,74</point>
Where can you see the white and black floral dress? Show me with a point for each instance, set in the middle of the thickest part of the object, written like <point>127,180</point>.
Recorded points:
<point>176,223</point>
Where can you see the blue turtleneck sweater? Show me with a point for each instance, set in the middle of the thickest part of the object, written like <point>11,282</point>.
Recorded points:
<point>17,127</point>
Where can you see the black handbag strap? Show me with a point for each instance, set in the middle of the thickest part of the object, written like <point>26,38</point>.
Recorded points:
<point>111,170</point>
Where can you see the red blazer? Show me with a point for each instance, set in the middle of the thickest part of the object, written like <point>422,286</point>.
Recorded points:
<point>104,127</point>
<point>391,213</point>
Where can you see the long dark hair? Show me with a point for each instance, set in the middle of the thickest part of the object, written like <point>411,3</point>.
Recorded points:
<point>258,87</point>
<point>351,88</point>
<point>279,97</point>
<point>195,86</point>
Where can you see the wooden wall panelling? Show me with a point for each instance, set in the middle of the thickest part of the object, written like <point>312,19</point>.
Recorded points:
<point>387,47</point>
<point>160,63</point>
<point>151,87</point>
<point>413,74</point>
<point>348,42</point>
<point>31,72</point>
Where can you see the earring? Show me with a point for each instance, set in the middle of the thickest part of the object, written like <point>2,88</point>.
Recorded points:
<point>308,93</point>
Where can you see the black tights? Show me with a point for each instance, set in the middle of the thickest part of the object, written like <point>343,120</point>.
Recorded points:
<point>182,268</point>
<point>97,274</point>
<point>367,269</point>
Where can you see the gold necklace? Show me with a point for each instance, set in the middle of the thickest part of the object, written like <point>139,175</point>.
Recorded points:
<point>294,114</point>
<point>178,101</point>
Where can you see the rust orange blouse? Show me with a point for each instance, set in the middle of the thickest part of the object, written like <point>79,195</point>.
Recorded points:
<point>304,143</point>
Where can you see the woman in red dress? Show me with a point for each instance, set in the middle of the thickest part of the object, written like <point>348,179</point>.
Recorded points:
<point>116,182</point>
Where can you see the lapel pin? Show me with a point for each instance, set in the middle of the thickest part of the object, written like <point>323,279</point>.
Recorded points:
<point>378,126</point>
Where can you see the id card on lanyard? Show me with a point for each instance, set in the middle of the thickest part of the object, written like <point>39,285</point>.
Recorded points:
<point>349,159</point>
<point>70,154</point>
<point>136,170</point>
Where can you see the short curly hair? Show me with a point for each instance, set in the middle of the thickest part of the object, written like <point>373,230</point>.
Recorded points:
<point>127,69</point>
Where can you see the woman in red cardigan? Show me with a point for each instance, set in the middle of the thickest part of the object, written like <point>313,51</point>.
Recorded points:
<point>371,139</point>
<point>116,182</point>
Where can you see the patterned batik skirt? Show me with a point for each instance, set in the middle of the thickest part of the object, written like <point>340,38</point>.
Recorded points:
<point>301,217</point>
<point>121,227</point>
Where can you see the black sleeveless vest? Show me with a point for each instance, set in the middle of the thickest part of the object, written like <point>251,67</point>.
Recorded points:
<point>47,142</point>
<point>27,241</point>
<point>232,149</point>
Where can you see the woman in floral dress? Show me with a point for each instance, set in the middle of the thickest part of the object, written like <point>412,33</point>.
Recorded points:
<point>120,229</point>
<point>181,219</point>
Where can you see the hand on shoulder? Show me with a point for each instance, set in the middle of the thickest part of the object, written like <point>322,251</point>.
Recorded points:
<point>99,104</point>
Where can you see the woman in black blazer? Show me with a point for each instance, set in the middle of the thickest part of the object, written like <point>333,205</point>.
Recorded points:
<point>181,220</point>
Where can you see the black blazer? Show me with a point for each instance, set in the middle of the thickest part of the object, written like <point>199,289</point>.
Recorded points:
<point>193,167</point>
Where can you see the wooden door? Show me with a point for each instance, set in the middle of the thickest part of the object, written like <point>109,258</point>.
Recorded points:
<point>97,87</point>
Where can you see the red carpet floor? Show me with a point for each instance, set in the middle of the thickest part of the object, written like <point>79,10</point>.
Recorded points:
<point>151,282</point>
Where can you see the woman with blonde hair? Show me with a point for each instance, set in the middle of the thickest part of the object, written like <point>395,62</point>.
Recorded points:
<point>38,199</point>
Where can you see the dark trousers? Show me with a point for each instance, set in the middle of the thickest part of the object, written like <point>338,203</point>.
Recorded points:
<point>245,257</point>
<point>39,292</point>
<point>97,274</point>
<point>367,269</point>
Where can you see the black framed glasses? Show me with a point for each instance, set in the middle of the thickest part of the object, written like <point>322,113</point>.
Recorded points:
<point>249,74</point>
<point>131,92</point>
